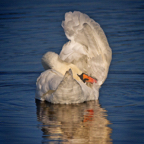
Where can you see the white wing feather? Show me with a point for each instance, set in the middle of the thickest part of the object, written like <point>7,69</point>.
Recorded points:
<point>47,81</point>
<point>88,47</point>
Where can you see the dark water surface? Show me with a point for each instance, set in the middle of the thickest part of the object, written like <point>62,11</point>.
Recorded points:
<point>28,29</point>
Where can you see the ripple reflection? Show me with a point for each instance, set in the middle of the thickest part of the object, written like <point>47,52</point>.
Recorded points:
<point>77,123</point>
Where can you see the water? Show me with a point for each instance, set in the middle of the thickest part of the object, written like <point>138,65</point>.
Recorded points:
<point>28,29</point>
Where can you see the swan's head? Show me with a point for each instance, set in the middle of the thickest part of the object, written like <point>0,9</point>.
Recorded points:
<point>49,60</point>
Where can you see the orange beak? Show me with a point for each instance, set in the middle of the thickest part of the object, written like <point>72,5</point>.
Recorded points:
<point>86,78</point>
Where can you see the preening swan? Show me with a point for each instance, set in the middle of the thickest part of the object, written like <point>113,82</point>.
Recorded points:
<point>76,74</point>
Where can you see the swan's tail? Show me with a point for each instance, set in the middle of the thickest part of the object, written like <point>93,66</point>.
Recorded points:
<point>69,91</point>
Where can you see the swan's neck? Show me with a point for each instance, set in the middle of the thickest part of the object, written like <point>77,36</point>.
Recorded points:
<point>62,66</point>
<point>59,66</point>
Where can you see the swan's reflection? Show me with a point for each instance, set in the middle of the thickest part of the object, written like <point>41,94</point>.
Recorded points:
<point>78,123</point>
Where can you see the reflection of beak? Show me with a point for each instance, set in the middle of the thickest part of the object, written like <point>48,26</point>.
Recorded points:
<point>89,115</point>
<point>86,78</point>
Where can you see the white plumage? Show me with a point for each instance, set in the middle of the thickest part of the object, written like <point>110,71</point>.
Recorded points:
<point>87,51</point>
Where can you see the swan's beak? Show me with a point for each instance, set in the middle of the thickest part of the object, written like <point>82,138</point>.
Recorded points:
<point>86,78</point>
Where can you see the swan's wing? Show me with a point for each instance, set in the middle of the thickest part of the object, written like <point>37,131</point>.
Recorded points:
<point>46,83</point>
<point>88,47</point>
<point>74,52</point>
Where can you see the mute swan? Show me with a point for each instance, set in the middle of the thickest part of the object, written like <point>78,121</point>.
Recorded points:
<point>76,74</point>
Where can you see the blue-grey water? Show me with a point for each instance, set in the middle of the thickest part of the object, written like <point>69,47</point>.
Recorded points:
<point>28,29</point>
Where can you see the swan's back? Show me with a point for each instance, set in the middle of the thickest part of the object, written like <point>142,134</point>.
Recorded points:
<point>88,47</point>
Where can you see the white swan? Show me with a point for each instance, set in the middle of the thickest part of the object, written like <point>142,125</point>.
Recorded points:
<point>87,52</point>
